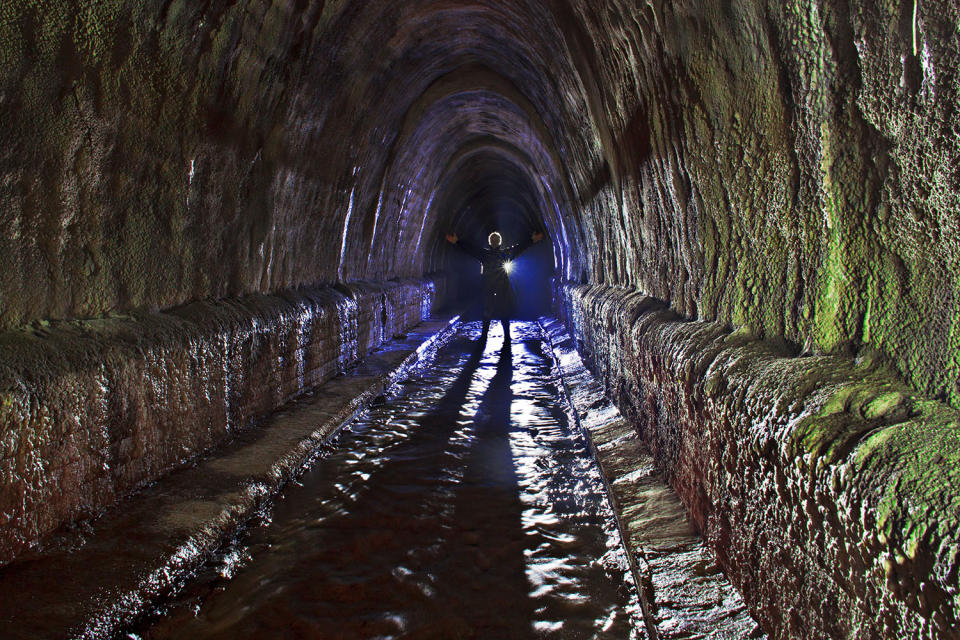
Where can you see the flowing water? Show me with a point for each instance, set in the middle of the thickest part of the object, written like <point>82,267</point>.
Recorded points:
<point>463,505</point>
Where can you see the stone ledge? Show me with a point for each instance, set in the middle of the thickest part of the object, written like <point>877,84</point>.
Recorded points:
<point>683,592</point>
<point>91,411</point>
<point>139,551</point>
<point>828,490</point>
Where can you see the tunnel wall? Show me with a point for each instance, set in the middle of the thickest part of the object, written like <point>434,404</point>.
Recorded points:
<point>92,410</point>
<point>789,167</point>
<point>157,153</point>
<point>827,488</point>
<point>784,169</point>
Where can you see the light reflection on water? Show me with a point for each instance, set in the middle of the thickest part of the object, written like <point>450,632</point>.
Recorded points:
<point>463,507</point>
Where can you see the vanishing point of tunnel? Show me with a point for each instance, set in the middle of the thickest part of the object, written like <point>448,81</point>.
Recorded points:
<point>249,382</point>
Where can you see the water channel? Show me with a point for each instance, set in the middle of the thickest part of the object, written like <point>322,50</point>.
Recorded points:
<point>461,505</point>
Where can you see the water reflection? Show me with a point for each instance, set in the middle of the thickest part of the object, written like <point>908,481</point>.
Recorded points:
<point>463,507</point>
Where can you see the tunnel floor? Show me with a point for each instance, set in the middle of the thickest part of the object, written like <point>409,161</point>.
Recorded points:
<point>461,505</point>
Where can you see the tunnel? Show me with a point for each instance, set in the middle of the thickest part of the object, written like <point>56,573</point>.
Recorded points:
<point>224,221</point>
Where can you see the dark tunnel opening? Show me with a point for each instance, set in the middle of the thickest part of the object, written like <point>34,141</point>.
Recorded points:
<point>487,192</point>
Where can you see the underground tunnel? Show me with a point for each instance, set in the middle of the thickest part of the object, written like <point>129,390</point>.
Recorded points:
<point>243,390</point>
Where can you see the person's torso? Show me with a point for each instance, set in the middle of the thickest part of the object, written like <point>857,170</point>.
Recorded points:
<point>495,276</point>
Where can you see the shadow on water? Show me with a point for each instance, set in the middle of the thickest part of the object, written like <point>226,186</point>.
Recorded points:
<point>417,525</point>
<point>489,514</point>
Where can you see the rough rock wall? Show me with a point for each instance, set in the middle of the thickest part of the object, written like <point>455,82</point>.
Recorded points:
<point>93,410</point>
<point>160,152</point>
<point>829,490</point>
<point>790,167</point>
<point>787,167</point>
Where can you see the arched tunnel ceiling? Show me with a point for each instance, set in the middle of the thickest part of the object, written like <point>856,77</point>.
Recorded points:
<point>786,170</point>
<point>310,136</point>
<point>488,185</point>
<point>488,192</point>
<point>462,71</point>
<point>456,120</point>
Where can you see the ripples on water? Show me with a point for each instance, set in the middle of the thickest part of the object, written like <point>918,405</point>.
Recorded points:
<point>462,507</point>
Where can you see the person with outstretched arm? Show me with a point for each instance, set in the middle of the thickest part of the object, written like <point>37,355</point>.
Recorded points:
<point>496,262</point>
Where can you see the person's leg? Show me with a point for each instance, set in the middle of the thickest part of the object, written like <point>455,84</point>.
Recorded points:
<point>489,311</point>
<point>505,322</point>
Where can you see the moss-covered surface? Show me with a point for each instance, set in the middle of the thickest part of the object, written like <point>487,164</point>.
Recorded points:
<point>799,180</point>
<point>829,489</point>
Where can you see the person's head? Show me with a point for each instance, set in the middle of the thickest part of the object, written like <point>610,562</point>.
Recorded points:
<point>494,239</point>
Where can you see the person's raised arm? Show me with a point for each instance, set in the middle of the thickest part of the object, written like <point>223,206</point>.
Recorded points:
<point>467,248</point>
<point>535,237</point>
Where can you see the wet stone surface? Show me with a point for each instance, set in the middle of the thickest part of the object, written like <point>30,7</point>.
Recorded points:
<point>685,594</point>
<point>99,576</point>
<point>829,504</point>
<point>461,506</point>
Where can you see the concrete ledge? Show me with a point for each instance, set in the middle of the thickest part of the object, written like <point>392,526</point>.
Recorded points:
<point>91,411</point>
<point>828,490</point>
<point>104,575</point>
<point>682,590</point>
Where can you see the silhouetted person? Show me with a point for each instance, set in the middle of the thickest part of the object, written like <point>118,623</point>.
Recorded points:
<point>496,263</point>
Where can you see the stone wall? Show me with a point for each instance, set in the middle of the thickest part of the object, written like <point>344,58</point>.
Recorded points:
<point>156,153</point>
<point>787,167</point>
<point>90,411</point>
<point>829,490</point>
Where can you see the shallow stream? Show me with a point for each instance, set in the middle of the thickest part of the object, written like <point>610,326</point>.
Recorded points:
<point>461,505</point>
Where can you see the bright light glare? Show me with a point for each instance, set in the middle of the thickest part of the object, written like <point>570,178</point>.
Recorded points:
<point>508,266</point>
